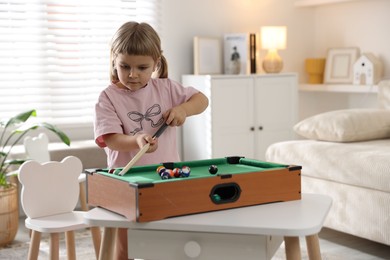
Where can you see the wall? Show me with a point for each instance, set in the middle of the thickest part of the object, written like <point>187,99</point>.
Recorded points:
<point>182,20</point>
<point>311,30</point>
<point>360,24</point>
<point>363,24</point>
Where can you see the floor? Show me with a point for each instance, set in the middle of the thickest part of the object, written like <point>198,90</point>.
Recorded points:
<point>334,245</point>
<point>337,243</point>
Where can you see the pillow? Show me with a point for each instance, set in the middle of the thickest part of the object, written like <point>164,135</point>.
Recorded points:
<point>384,94</point>
<point>346,125</point>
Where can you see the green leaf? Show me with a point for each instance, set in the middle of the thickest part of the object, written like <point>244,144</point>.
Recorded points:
<point>11,138</point>
<point>14,162</point>
<point>64,138</point>
<point>3,181</point>
<point>27,127</point>
<point>21,118</point>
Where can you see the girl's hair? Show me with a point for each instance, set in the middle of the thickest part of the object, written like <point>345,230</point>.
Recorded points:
<point>134,38</point>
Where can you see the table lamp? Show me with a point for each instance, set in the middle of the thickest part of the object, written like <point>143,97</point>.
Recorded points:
<point>273,38</point>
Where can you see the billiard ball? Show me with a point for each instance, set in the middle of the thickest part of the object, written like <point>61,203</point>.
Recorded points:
<point>165,175</point>
<point>213,169</point>
<point>159,168</point>
<point>216,198</point>
<point>170,172</point>
<point>112,170</point>
<point>176,172</point>
<point>185,171</point>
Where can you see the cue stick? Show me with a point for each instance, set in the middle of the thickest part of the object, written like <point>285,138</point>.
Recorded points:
<point>142,151</point>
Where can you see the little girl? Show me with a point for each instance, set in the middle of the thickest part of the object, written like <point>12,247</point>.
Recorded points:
<point>133,107</point>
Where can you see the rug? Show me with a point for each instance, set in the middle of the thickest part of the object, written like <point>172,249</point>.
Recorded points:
<point>19,250</point>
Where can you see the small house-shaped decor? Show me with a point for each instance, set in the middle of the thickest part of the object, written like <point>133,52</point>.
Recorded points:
<point>367,70</point>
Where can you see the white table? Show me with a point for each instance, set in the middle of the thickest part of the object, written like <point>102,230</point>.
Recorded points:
<point>247,232</point>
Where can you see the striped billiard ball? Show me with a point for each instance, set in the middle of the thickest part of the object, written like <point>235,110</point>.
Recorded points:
<point>176,172</point>
<point>165,175</point>
<point>185,171</point>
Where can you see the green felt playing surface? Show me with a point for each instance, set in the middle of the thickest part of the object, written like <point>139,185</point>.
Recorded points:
<point>199,169</point>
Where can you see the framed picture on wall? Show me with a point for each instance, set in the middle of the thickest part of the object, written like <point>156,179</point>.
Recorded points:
<point>339,65</point>
<point>207,55</point>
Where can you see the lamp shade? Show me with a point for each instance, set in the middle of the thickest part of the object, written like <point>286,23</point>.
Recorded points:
<point>273,37</point>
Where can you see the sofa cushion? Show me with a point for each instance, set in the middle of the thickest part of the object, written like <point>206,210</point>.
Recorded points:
<point>384,94</point>
<point>360,164</point>
<point>347,125</point>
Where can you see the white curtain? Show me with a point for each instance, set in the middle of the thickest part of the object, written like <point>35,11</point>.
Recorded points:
<point>54,54</point>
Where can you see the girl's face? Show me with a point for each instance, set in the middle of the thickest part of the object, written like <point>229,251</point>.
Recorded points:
<point>134,71</point>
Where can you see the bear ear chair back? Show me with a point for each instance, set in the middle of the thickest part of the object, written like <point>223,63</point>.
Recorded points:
<point>50,188</point>
<point>37,148</point>
<point>49,196</point>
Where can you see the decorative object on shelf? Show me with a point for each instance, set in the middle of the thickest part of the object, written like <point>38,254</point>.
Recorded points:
<point>240,56</point>
<point>253,53</point>
<point>367,70</point>
<point>315,67</point>
<point>207,55</point>
<point>339,63</point>
<point>273,38</point>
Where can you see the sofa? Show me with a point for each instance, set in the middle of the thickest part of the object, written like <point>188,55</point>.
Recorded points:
<point>346,155</point>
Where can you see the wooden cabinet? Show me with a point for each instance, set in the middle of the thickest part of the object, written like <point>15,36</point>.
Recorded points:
<point>246,114</point>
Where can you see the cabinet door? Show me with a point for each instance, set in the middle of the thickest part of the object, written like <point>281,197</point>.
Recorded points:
<point>232,117</point>
<point>276,111</point>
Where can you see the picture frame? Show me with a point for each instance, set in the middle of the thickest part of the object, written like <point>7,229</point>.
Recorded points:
<point>237,44</point>
<point>339,65</point>
<point>207,55</point>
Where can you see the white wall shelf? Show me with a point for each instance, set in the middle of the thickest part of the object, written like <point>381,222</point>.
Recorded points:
<point>304,3</point>
<point>342,88</point>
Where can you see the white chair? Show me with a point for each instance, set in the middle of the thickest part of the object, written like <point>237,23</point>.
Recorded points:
<point>49,195</point>
<point>37,149</point>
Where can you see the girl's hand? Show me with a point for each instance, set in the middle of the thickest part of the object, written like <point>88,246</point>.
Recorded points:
<point>175,116</point>
<point>195,105</point>
<point>143,139</point>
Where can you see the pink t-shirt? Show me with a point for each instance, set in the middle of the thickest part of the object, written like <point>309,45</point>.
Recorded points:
<point>131,112</point>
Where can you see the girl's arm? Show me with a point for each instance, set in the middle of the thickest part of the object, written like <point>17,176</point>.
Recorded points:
<point>176,116</point>
<point>126,143</point>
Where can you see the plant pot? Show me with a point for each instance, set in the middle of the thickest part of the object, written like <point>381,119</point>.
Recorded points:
<point>9,214</point>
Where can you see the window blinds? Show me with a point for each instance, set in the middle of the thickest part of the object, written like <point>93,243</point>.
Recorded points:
<point>54,54</point>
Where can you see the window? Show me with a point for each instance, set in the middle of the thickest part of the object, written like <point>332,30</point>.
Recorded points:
<point>54,54</point>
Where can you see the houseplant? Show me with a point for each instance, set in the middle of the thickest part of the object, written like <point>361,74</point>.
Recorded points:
<point>12,131</point>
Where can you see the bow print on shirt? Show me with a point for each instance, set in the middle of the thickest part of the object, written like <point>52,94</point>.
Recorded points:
<point>152,112</point>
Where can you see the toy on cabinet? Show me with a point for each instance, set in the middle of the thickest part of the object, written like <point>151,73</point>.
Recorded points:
<point>367,70</point>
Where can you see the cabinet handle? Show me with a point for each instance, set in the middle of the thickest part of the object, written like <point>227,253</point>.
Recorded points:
<point>252,128</point>
<point>260,128</point>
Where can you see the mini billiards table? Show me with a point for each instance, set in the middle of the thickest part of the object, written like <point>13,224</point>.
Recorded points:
<point>142,195</point>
